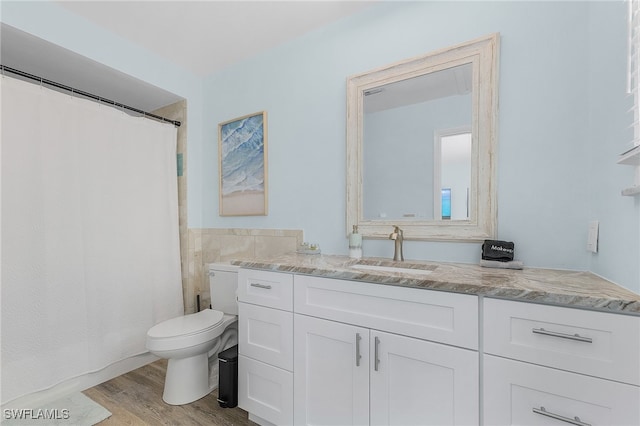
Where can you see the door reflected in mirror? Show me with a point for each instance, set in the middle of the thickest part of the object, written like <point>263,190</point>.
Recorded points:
<point>452,174</point>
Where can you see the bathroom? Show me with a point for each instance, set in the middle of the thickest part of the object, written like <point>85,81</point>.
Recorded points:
<point>563,122</point>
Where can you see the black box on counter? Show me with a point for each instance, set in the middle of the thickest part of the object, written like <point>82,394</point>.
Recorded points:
<point>501,251</point>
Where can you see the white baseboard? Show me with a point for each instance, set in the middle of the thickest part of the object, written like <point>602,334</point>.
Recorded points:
<point>80,383</point>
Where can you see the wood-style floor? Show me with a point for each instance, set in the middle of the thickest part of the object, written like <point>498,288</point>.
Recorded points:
<point>135,399</point>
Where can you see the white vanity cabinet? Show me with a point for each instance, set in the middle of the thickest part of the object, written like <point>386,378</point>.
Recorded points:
<point>265,346</point>
<point>554,365</point>
<point>357,358</point>
<point>318,350</point>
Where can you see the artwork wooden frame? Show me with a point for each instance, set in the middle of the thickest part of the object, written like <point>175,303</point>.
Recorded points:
<point>242,165</point>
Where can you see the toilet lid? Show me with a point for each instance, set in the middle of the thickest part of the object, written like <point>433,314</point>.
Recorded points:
<point>187,324</point>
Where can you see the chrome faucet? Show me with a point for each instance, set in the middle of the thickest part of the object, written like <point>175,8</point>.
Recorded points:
<point>397,236</point>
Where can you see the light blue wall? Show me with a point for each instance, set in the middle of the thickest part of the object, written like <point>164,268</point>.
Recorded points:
<point>560,127</point>
<point>618,258</point>
<point>562,120</point>
<point>543,157</point>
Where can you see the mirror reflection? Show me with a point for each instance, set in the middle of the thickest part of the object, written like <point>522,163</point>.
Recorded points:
<point>417,147</point>
<point>421,137</point>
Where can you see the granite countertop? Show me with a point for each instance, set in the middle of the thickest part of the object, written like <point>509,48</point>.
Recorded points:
<point>558,287</point>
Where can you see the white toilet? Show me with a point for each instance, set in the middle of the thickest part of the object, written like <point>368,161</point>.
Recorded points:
<point>191,342</point>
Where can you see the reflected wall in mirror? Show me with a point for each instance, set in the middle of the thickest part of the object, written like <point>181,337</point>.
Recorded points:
<point>420,144</point>
<point>401,123</point>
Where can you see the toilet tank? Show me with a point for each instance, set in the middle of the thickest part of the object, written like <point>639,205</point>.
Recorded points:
<point>223,284</point>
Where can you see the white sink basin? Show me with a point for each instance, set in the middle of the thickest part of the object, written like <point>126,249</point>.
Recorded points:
<point>392,269</point>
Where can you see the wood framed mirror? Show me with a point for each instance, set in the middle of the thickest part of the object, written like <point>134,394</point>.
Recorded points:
<point>421,141</point>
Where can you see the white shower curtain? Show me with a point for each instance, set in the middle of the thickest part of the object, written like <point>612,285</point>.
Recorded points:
<point>90,245</point>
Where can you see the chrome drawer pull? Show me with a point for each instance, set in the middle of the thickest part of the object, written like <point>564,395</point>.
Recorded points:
<point>265,286</point>
<point>358,356</point>
<point>576,336</point>
<point>575,421</point>
<point>376,360</point>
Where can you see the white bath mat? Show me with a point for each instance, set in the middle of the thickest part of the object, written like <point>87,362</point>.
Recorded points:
<point>73,410</point>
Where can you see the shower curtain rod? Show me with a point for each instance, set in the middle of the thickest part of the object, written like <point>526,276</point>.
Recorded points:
<point>100,99</point>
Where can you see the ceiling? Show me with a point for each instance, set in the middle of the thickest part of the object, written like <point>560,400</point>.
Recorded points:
<point>206,36</point>
<point>199,36</point>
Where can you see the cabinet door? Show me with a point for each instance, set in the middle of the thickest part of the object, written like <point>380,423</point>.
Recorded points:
<point>266,334</point>
<point>265,391</point>
<point>518,393</point>
<point>331,373</point>
<point>415,382</point>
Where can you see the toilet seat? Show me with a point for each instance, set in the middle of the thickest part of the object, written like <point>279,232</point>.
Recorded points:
<point>186,331</point>
<point>186,325</point>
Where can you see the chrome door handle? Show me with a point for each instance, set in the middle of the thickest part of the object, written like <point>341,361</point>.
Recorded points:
<point>376,360</point>
<point>576,336</point>
<point>358,356</point>
<point>265,286</point>
<point>575,421</point>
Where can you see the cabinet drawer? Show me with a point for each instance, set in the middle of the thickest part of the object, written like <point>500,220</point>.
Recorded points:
<point>272,289</point>
<point>265,391</point>
<point>594,343</point>
<point>266,334</point>
<point>518,393</point>
<point>431,315</point>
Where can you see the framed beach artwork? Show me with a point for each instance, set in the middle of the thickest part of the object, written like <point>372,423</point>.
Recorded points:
<point>242,161</point>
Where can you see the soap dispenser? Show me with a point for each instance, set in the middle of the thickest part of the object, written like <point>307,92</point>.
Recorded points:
<point>355,244</point>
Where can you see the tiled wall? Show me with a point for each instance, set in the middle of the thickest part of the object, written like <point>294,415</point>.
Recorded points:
<point>178,111</point>
<point>219,245</point>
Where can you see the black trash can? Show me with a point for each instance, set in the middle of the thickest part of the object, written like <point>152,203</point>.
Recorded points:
<point>228,377</point>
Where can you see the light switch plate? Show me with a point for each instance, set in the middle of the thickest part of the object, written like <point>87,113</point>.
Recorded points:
<point>592,239</point>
